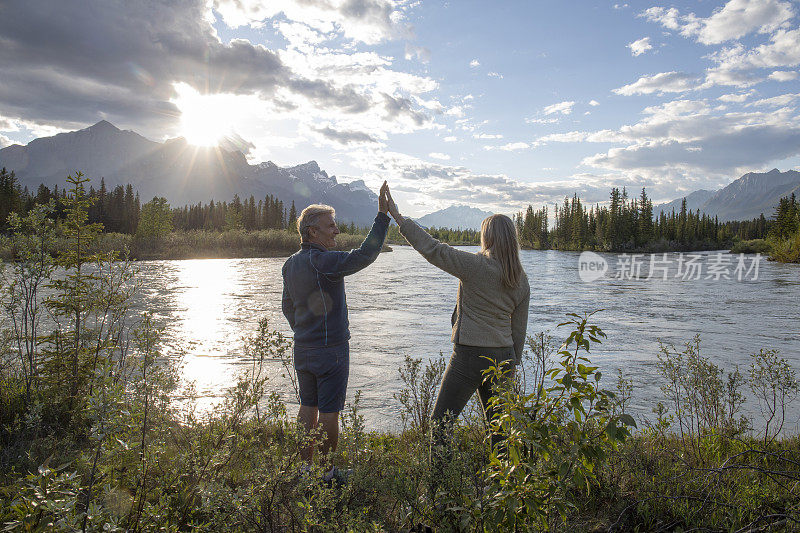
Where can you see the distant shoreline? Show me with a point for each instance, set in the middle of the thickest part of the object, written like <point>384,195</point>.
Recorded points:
<point>239,244</point>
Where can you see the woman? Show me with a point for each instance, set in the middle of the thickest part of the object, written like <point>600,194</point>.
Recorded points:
<point>491,314</point>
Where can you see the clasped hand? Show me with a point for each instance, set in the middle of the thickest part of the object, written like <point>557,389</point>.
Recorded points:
<point>386,204</point>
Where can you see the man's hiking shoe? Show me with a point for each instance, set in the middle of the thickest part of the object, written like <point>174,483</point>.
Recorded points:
<point>304,470</point>
<point>340,477</point>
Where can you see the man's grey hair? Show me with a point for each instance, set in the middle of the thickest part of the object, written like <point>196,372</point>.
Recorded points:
<point>308,218</point>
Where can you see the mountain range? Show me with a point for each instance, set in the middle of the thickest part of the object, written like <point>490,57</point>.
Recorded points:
<point>186,174</point>
<point>180,172</point>
<point>694,201</point>
<point>743,199</point>
<point>455,217</point>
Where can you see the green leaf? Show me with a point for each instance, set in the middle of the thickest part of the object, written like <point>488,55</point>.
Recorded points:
<point>627,419</point>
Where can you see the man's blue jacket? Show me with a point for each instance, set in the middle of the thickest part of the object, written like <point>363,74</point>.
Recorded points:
<point>314,302</point>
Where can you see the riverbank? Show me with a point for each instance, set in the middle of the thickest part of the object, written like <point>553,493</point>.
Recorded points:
<point>229,244</point>
<point>655,247</point>
<point>129,459</point>
<point>235,244</point>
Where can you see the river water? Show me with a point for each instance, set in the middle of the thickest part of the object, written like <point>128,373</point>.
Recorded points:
<point>401,305</point>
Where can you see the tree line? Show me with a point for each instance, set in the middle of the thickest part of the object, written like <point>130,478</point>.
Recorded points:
<point>120,210</point>
<point>624,224</point>
<point>628,224</point>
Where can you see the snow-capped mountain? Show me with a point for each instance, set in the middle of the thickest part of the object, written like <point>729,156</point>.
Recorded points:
<point>182,173</point>
<point>455,217</point>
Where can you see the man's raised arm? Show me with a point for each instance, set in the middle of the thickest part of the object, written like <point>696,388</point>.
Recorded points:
<point>345,263</point>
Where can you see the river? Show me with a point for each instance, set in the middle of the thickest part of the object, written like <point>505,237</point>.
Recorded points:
<point>401,305</point>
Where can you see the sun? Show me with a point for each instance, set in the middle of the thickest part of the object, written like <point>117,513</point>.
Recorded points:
<point>205,119</point>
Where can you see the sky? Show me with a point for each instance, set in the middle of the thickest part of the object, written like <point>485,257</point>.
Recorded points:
<point>495,105</point>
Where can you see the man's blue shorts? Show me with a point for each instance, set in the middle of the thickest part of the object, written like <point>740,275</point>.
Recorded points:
<point>322,376</point>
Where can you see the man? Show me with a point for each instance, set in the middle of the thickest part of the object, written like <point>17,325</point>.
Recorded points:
<point>314,303</point>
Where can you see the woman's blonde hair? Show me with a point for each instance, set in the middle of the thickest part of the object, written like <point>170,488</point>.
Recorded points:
<point>499,241</point>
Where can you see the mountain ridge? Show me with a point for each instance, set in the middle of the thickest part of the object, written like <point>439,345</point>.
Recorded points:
<point>455,217</point>
<point>744,198</point>
<point>186,174</point>
<point>182,173</point>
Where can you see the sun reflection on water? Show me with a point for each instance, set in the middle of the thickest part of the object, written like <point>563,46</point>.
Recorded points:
<point>205,303</point>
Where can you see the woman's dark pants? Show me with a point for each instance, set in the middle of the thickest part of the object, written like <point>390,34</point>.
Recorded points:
<point>462,377</point>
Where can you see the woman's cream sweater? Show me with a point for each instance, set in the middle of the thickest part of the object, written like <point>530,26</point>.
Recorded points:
<point>487,312</point>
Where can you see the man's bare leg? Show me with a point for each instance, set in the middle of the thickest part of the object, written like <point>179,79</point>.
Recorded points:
<point>308,420</point>
<point>330,425</point>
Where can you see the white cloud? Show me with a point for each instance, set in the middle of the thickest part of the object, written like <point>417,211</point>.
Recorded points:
<point>5,141</point>
<point>568,137</point>
<point>345,138</point>
<point>510,147</point>
<point>620,6</point>
<point>565,108</point>
<point>776,101</point>
<point>735,19</point>
<point>487,136</point>
<point>495,75</point>
<point>8,124</point>
<point>663,82</point>
<point>450,139</point>
<point>420,52</point>
<point>783,50</point>
<point>541,120</point>
<point>783,75</point>
<point>640,46</point>
<point>690,136</point>
<point>594,103</point>
<point>738,66</point>
<point>439,155</point>
<point>669,18</point>
<point>735,98</point>
<point>301,35</point>
<point>732,77</point>
<point>368,21</point>
<point>417,182</point>
<point>36,129</point>
<point>393,101</point>
<point>474,63</point>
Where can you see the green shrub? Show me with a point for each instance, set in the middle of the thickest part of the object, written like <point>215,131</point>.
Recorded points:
<point>556,438</point>
<point>754,246</point>
<point>785,250</point>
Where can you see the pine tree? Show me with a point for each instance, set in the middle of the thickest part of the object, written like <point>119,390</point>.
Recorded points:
<point>645,218</point>
<point>130,216</point>
<point>292,217</point>
<point>10,196</point>
<point>72,293</point>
